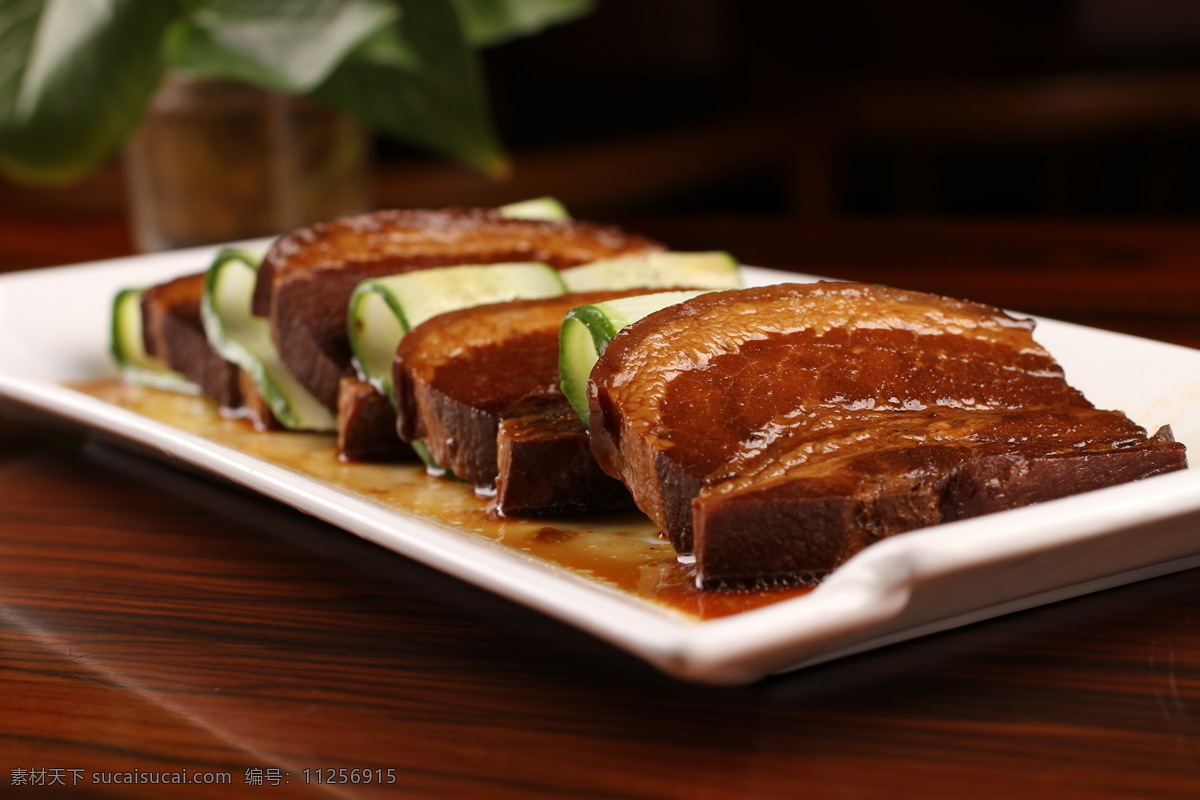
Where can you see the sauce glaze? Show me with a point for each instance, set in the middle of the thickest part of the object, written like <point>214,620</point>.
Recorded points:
<point>624,551</point>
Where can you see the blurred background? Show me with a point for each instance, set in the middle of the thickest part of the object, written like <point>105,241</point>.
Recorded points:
<point>868,107</point>
<point>659,114</point>
<point>858,107</point>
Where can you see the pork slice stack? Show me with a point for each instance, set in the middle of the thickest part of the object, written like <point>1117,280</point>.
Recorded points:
<point>775,432</point>
<point>480,388</point>
<point>173,330</point>
<point>308,275</point>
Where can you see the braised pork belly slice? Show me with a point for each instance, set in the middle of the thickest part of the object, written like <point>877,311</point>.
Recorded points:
<point>828,486</point>
<point>545,467</point>
<point>366,425</point>
<point>460,374</point>
<point>172,330</point>
<point>307,277</point>
<point>864,395</point>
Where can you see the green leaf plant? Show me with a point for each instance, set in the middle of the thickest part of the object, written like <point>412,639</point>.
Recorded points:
<point>76,77</point>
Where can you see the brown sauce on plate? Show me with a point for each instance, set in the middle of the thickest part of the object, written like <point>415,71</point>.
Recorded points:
<point>623,551</point>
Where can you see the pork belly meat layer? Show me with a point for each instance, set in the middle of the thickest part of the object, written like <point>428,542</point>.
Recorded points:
<point>307,276</point>
<point>172,330</point>
<point>545,466</point>
<point>776,431</point>
<point>366,425</point>
<point>841,493</point>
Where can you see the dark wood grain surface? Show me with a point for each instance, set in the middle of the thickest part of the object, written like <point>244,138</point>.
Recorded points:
<point>153,619</point>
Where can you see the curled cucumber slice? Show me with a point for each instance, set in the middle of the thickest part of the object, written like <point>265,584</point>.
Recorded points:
<point>245,339</point>
<point>383,310</point>
<point>587,330</point>
<point>712,270</point>
<point>128,348</point>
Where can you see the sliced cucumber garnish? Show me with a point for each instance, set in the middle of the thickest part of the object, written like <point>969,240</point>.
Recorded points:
<point>546,208</point>
<point>245,339</point>
<point>587,330</point>
<point>382,310</point>
<point>128,348</point>
<point>713,270</point>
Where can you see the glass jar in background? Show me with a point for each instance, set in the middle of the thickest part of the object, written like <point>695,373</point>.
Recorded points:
<point>218,161</point>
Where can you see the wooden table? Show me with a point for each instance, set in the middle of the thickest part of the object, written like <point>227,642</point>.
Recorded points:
<point>153,620</point>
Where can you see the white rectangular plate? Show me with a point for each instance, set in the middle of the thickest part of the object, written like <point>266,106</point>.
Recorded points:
<point>55,326</point>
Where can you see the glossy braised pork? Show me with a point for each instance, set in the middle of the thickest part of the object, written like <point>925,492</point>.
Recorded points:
<point>307,277</point>
<point>172,330</point>
<point>366,425</point>
<point>775,432</point>
<point>480,388</point>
